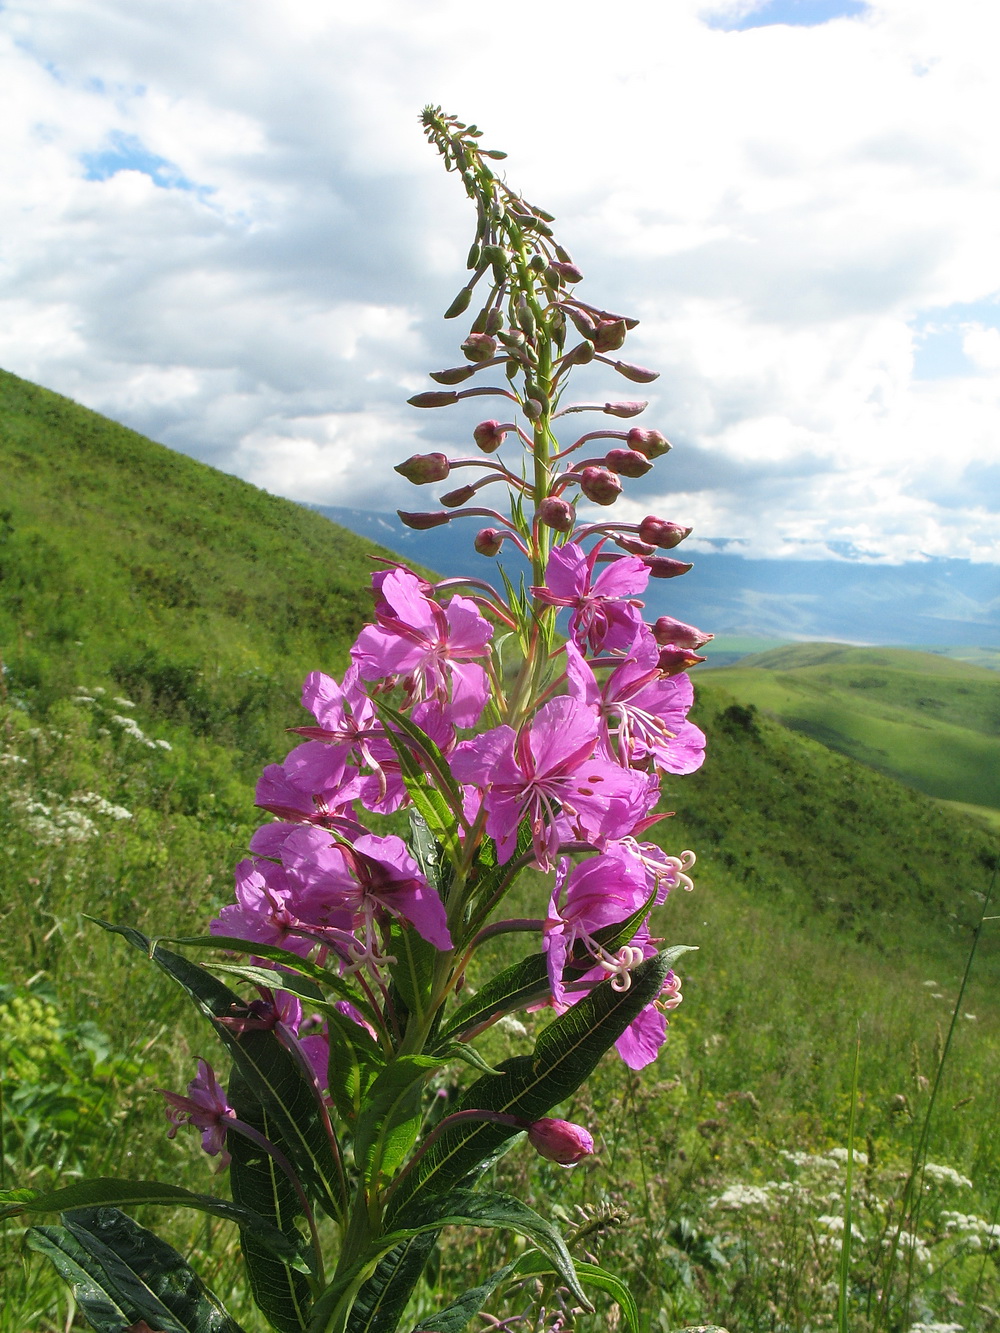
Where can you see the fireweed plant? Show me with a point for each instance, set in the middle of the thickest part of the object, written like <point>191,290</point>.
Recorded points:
<point>509,745</point>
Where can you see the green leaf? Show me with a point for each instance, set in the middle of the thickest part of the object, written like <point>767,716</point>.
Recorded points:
<point>535,1264</point>
<point>439,802</point>
<point>413,971</point>
<point>565,1055</point>
<point>291,961</point>
<point>469,1055</point>
<point>269,1069</point>
<point>121,1273</point>
<point>107,1190</point>
<point>513,988</point>
<point>259,1183</point>
<point>453,1318</point>
<point>390,1118</point>
<point>476,1208</point>
<point>379,1305</point>
<point>356,1060</point>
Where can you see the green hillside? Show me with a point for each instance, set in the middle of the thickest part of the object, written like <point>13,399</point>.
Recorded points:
<point>929,720</point>
<point>146,599</point>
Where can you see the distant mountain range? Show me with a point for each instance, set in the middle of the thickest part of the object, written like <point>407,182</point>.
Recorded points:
<point>935,603</point>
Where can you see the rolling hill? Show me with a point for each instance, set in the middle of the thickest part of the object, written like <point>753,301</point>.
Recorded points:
<point>928,720</point>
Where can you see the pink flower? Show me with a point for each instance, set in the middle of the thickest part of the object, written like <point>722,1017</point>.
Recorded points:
<point>549,774</point>
<point>599,892</point>
<point>643,713</point>
<point>427,647</point>
<point>205,1107</point>
<point>604,614</point>
<point>335,881</point>
<point>264,911</point>
<point>560,1141</point>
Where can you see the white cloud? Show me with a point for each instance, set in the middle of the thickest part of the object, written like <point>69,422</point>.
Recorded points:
<point>222,226</point>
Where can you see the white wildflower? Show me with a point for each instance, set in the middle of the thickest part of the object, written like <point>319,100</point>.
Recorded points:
<point>970,1017</point>
<point>122,703</point>
<point>742,1196</point>
<point>841,1155</point>
<point>165,745</point>
<point>946,1175</point>
<point>9,757</point>
<point>512,1025</point>
<point>933,984</point>
<point>83,699</point>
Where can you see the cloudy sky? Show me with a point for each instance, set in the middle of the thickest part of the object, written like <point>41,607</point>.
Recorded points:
<point>222,226</point>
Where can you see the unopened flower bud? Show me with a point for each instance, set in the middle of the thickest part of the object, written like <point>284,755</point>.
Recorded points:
<point>609,335</point>
<point>455,499</point>
<point>454,375</point>
<point>661,532</point>
<point>583,323</point>
<point>433,398</point>
<point>648,442</point>
<point>488,541</point>
<point>663,567</point>
<point>637,374</point>
<point>600,485</point>
<point>556,513</point>
<point>666,630</point>
<point>627,463</point>
<point>512,338</point>
<point>479,347</point>
<point>568,272</point>
<point>460,303</point>
<point>621,409</point>
<point>580,355</point>
<point>532,408</point>
<point>672,661</point>
<point>634,546</point>
<point>560,1141</point>
<point>489,436</point>
<point>421,522</point>
<point>424,468</point>
<point>494,321</point>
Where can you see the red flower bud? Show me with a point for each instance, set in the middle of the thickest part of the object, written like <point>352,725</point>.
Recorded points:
<point>568,272</point>
<point>662,567</point>
<point>479,347</point>
<point>424,468</point>
<point>627,463</point>
<point>600,485</point>
<point>556,513</point>
<point>560,1141</point>
<point>672,661</point>
<point>455,499</point>
<point>648,442</point>
<point>634,546</point>
<point>489,436</point>
<point>661,532</point>
<point>582,322</point>
<point>421,522</point>
<point>609,335</point>
<point>580,354</point>
<point>488,541</point>
<point>666,630</point>
<point>433,398</point>
<point>637,374</point>
<point>621,409</point>
<point>455,375</point>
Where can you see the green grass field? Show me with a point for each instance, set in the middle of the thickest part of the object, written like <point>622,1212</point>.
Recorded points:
<point>929,720</point>
<point>831,901</point>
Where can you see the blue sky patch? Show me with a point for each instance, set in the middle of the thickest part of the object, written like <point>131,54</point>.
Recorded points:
<point>794,13</point>
<point>938,353</point>
<point>125,152</point>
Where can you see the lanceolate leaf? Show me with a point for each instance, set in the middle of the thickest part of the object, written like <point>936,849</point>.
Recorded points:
<point>291,962</point>
<point>269,1069</point>
<point>380,1303</point>
<point>355,1062</point>
<point>107,1190</point>
<point>513,988</point>
<point>591,1275</point>
<point>390,1117</point>
<point>121,1273</point>
<point>439,802</point>
<point>565,1055</point>
<point>475,1208</point>
<point>258,1182</point>
<point>453,1318</point>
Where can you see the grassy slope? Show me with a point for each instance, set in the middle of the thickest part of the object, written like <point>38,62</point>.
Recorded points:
<point>928,720</point>
<point>826,892</point>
